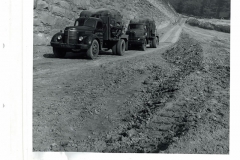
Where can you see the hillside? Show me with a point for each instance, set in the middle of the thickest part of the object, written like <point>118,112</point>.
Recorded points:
<point>54,15</point>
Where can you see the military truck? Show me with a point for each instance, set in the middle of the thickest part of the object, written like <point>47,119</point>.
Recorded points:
<point>142,32</point>
<point>91,33</point>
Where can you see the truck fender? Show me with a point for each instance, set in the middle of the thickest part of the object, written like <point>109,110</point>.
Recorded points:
<point>92,37</point>
<point>54,38</point>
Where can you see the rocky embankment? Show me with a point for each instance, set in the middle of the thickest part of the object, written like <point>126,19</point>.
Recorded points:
<point>53,15</point>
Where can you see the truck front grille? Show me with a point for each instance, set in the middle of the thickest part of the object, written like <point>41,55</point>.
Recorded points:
<point>70,37</point>
<point>131,35</point>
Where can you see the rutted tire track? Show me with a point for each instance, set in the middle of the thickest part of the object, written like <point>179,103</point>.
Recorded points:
<point>68,119</point>
<point>154,127</point>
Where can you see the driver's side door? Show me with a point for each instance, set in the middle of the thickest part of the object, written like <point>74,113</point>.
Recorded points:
<point>99,31</point>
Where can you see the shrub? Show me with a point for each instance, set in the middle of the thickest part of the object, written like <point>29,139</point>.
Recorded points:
<point>193,22</point>
<point>209,24</point>
<point>206,25</point>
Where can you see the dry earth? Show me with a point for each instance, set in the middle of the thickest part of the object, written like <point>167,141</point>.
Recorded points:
<point>173,99</point>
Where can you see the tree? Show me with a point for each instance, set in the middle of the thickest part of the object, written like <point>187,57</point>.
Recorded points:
<point>206,8</point>
<point>179,7</point>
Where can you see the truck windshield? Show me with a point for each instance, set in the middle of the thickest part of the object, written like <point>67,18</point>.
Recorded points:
<point>136,26</point>
<point>86,22</point>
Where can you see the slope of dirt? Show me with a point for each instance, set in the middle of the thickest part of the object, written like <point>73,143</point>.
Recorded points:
<point>159,10</point>
<point>187,110</point>
<point>207,95</point>
<point>173,100</point>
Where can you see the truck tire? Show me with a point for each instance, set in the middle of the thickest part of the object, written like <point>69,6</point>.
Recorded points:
<point>59,53</point>
<point>154,42</point>
<point>93,51</point>
<point>121,47</point>
<point>114,49</point>
<point>143,46</point>
<point>126,46</point>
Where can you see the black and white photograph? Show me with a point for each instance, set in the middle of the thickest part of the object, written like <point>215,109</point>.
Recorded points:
<point>131,76</point>
<point>119,79</point>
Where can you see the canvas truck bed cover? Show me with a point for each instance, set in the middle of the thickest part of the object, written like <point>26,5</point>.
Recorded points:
<point>113,14</point>
<point>146,21</point>
<point>86,13</point>
<point>101,12</point>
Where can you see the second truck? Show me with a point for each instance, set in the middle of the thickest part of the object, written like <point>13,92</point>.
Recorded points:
<point>142,32</point>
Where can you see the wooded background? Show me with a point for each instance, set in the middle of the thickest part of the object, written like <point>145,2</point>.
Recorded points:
<point>203,8</point>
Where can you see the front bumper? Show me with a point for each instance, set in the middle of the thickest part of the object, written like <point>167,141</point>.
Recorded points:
<point>136,41</point>
<point>69,46</point>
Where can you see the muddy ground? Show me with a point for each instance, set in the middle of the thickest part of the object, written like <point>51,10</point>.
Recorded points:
<point>173,99</point>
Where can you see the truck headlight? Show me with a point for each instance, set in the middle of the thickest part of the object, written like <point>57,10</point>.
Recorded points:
<point>59,37</point>
<point>80,38</point>
<point>138,39</point>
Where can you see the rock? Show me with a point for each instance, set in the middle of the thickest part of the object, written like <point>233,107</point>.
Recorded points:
<point>155,83</point>
<point>41,5</point>
<point>198,116</point>
<point>64,143</point>
<point>36,22</point>
<point>54,147</point>
<point>70,15</point>
<point>82,3</point>
<point>47,19</point>
<point>131,132</point>
<point>96,111</point>
<point>124,139</point>
<point>41,39</point>
<point>64,4</point>
<point>58,11</point>
<point>146,81</point>
<point>209,110</point>
<point>68,148</point>
<point>100,145</point>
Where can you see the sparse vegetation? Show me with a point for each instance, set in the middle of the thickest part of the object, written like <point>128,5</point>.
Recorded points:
<point>223,25</point>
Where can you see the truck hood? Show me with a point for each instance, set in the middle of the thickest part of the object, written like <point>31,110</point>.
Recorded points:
<point>81,29</point>
<point>137,32</point>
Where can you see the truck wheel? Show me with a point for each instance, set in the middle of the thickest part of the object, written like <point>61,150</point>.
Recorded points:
<point>151,43</point>
<point>120,47</point>
<point>126,46</point>
<point>143,46</point>
<point>154,42</point>
<point>59,53</point>
<point>93,51</point>
<point>114,49</point>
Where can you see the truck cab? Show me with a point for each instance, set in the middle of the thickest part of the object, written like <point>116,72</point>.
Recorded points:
<point>141,33</point>
<point>91,32</point>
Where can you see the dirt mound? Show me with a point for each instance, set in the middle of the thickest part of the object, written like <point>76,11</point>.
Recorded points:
<point>179,103</point>
<point>161,120</point>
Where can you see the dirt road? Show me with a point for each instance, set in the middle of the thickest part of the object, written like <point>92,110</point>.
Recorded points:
<point>124,103</point>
